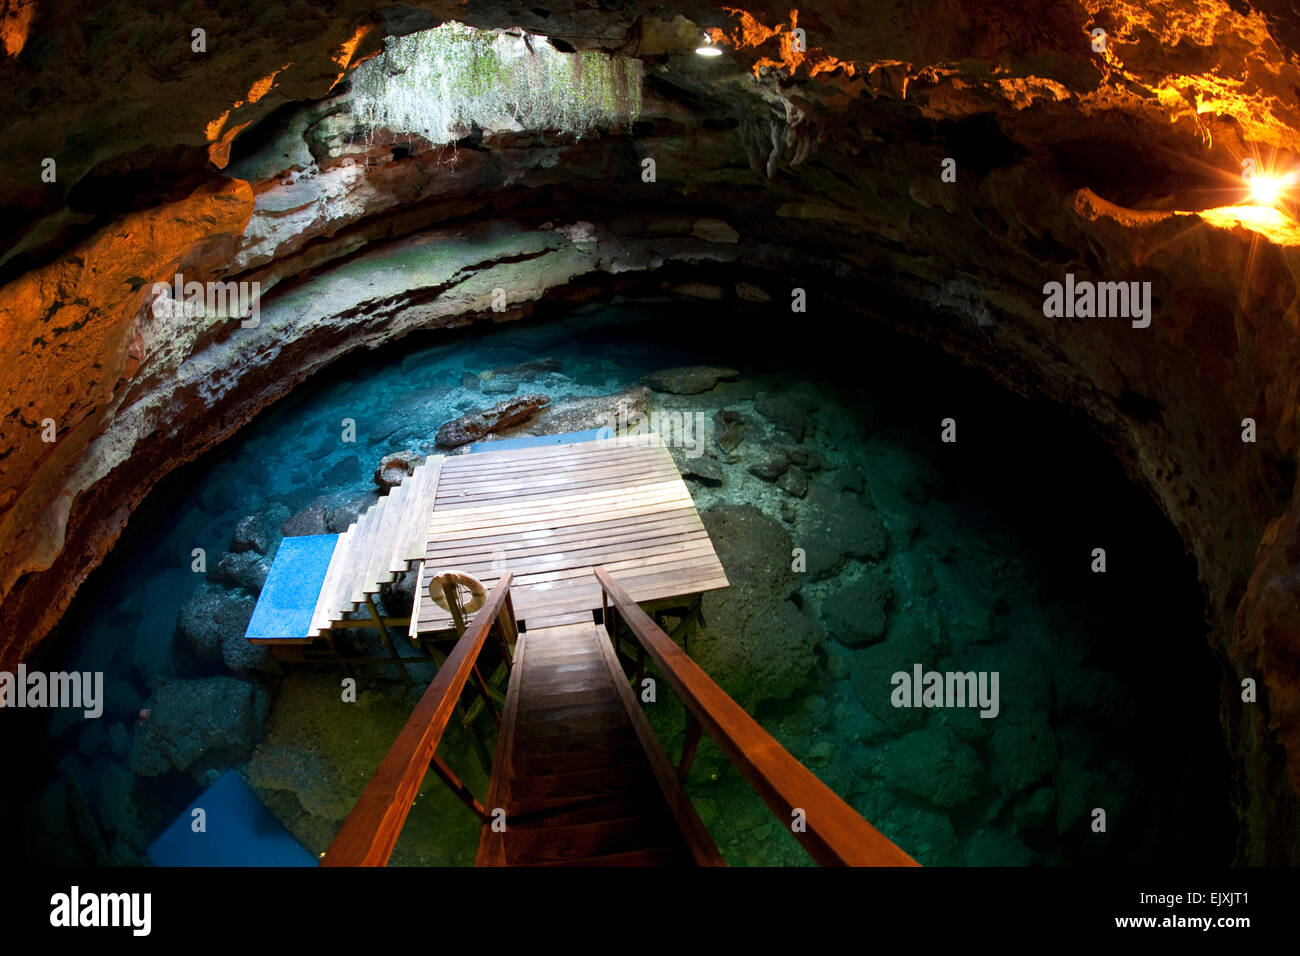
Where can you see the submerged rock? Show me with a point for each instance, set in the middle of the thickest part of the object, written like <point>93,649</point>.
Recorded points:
<point>216,720</point>
<point>856,613</point>
<point>475,425</point>
<point>311,520</point>
<point>211,612</point>
<point>583,414</point>
<point>700,468</point>
<point>794,482</point>
<point>789,413</point>
<point>756,643</point>
<point>729,427</point>
<point>770,467</point>
<point>250,534</point>
<point>933,765</point>
<point>838,526</point>
<point>396,468</point>
<point>689,379</point>
<point>247,570</point>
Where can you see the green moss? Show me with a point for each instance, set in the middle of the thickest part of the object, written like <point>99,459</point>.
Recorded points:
<point>442,83</point>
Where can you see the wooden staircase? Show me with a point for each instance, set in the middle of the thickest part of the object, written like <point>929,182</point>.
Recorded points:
<point>578,777</point>
<point>388,539</point>
<point>572,772</point>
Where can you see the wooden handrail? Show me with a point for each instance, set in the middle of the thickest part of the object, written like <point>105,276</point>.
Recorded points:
<point>371,829</point>
<point>834,833</point>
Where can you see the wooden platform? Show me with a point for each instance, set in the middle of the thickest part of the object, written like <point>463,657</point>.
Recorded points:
<point>577,769</point>
<point>552,514</point>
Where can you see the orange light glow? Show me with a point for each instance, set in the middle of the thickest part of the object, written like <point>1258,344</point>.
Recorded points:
<point>1273,224</point>
<point>263,86</point>
<point>16,24</point>
<point>348,50</point>
<point>750,32</point>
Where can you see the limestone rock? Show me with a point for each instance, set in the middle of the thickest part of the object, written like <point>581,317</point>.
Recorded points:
<point>247,570</point>
<point>213,720</point>
<point>211,614</point>
<point>250,535</point>
<point>838,526</point>
<point>855,614</point>
<point>794,483</point>
<point>770,467</point>
<point>933,765</point>
<point>756,643</point>
<point>689,379</point>
<point>789,413</point>
<point>394,469</point>
<point>310,520</point>
<point>474,426</point>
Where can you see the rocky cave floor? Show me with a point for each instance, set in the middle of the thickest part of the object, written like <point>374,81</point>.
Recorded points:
<point>910,558</point>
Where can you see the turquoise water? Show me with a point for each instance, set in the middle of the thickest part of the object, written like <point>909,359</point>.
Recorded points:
<point>981,565</point>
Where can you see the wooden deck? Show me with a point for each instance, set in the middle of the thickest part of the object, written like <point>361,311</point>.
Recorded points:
<point>552,514</point>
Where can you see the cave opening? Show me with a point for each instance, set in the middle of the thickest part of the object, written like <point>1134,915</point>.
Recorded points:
<point>987,567</point>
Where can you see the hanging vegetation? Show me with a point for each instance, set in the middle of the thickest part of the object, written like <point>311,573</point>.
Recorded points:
<point>441,83</point>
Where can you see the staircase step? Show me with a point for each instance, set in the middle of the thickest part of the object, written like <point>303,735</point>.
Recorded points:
<point>557,844</point>
<point>368,528</point>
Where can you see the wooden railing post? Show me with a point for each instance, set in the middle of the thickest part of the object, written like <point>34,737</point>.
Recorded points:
<point>834,833</point>
<point>372,828</point>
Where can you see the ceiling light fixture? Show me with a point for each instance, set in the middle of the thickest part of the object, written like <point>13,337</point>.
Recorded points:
<point>708,49</point>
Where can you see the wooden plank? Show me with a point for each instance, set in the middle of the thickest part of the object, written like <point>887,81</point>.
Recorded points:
<point>565,469</point>
<point>537,519</point>
<point>585,558</point>
<point>429,490</point>
<point>526,492</point>
<point>376,572</point>
<point>367,544</point>
<point>412,531</point>
<point>613,500</point>
<point>513,479</point>
<point>646,526</point>
<point>547,452</point>
<point>330,587</point>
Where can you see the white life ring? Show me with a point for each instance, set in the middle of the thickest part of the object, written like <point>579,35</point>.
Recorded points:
<point>477,592</point>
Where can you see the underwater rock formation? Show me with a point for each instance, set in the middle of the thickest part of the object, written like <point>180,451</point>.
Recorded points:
<point>478,425</point>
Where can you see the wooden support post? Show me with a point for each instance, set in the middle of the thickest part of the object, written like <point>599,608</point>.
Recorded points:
<point>487,698</point>
<point>459,789</point>
<point>691,744</point>
<point>383,632</point>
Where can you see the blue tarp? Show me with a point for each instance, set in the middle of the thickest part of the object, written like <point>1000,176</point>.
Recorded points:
<point>288,598</point>
<point>238,831</point>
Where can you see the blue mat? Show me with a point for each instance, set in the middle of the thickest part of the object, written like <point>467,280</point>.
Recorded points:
<point>537,441</point>
<point>239,831</point>
<point>288,598</point>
